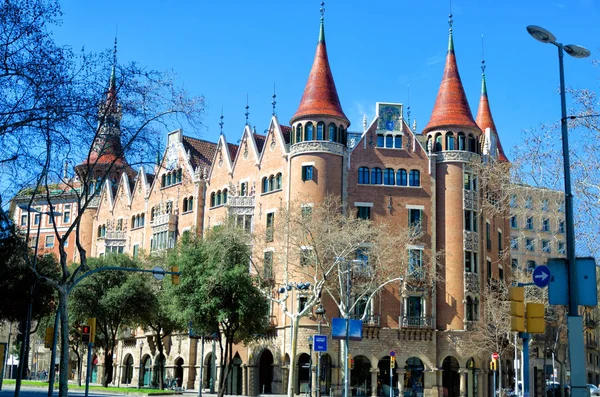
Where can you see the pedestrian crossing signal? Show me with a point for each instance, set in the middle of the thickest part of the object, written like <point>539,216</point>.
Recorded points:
<point>85,333</point>
<point>350,362</point>
<point>392,362</point>
<point>49,338</point>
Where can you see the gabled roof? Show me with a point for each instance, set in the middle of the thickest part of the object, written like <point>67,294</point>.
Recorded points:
<point>201,152</point>
<point>485,119</point>
<point>451,107</point>
<point>320,96</point>
<point>260,141</point>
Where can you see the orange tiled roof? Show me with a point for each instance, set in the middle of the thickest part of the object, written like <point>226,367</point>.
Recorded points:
<point>451,106</point>
<point>320,96</point>
<point>201,152</point>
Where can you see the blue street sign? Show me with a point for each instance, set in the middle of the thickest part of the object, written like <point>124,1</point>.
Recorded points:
<point>541,276</point>
<point>320,343</point>
<point>392,353</point>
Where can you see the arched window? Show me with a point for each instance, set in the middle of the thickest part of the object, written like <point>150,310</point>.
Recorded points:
<point>168,179</point>
<point>320,130</point>
<point>388,176</point>
<point>164,180</point>
<point>429,143</point>
<point>185,204</point>
<point>309,132</point>
<point>99,231</point>
<point>293,135</point>
<point>342,135</point>
<point>224,196</point>
<point>472,144</point>
<point>278,181</point>
<point>142,219</point>
<point>332,131</point>
<point>213,201</point>
<point>133,223</point>
<point>179,175</point>
<point>299,133</point>
<point>376,176</point>
<point>438,143</point>
<point>265,185</point>
<point>414,178</point>
<point>191,203</point>
<point>461,141</point>
<point>271,183</point>
<point>363,176</point>
<point>153,211</point>
<point>219,197</point>
<point>449,141</point>
<point>401,178</point>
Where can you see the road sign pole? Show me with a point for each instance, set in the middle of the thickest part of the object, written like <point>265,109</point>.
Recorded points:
<point>525,336</point>
<point>89,366</point>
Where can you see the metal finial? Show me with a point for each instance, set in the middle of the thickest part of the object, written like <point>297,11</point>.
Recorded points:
<point>247,107</point>
<point>221,123</point>
<point>322,11</point>
<point>115,52</point>
<point>408,107</point>
<point>274,101</point>
<point>482,57</point>
<point>450,21</point>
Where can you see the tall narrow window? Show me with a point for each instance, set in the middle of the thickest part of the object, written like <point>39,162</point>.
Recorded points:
<point>278,181</point>
<point>271,183</point>
<point>449,141</point>
<point>299,133</point>
<point>270,226</point>
<point>415,263</point>
<point>320,128</point>
<point>265,185</point>
<point>514,222</point>
<point>67,214</point>
<point>363,176</point>
<point>414,218</point>
<point>307,173</point>
<point>468,220</point>
<point>309,131</point>
<point>500,242</point>
<point>389,141</point>
<point>461,141</point>
<point>438,143</point>
<point>331,132</point>
<point>389,176</point>
<point>401,178</point>
<point>376,176</point>
<point>268,265</point>
<point>398,141</point>
<point>488,236</point>
<point>380,140</point>
<point>415,178</point>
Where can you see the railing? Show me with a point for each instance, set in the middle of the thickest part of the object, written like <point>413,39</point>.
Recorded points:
<point>368,321</point>
<point>120,235</point>
<point>470,199</point>
<point>240,201</point>
<point>591,344</point>
<point>416,322</point>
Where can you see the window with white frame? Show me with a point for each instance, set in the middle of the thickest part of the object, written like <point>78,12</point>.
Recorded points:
<point>514,222</point>
<point>49,242</point>
<point>514,243</point>
<point>546,246</point>
<point>66,214</point>
<point>546,225</point>
<point>415,263</point>
<point>530,244</point>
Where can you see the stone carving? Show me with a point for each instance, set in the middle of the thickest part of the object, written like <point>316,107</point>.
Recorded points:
<point>471,240</point>
<point>471,282</point>
<point>317,146</point>
<point>471,201</point>
<point>458,155</point>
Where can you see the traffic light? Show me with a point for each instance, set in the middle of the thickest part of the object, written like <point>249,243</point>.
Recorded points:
<point>494,365</point>
<point>516,295</point>
<point>92,324</point>
<point>85,333</point>
<point>350,361</point>
<point>393,362</point>
<point>49,338</point>
<point>536,323</point>
<point>175,277</point>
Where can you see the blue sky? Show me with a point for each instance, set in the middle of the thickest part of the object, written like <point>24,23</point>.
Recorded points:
<point>228,49</point>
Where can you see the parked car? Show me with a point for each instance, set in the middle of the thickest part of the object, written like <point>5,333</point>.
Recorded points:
<point>553,389</point>
<point>594,390</point>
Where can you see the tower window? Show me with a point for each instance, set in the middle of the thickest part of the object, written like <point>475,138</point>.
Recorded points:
<point>320,132</point>
<point>450,141</point>
<point>309,132</point>
<point>332,132</point>
<point>461,141</point>
<point>308,172</point>
<point>299,133</point>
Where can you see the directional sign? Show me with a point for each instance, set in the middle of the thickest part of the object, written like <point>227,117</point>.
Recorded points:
<point>158,273</point>
<point>541,276</point>
<point>320,343</point>
<point>392,353</point>
<point>495,356</point>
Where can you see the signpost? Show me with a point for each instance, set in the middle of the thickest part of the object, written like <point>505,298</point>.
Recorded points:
<point>541,276</point>
<point>320,343</point>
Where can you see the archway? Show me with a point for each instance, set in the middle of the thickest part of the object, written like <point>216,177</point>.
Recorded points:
<point>209,373</point>
<point>383,378</point>
<point>179,371</point>
<point>303,373</point>
<point>234,379</point>
<point>450,377</point>
<point>325,374</point>
<point>413,377</point>
<point>360,377</point>
<point>265,372</point>
<point>127,370</point>
<point>146,370</point>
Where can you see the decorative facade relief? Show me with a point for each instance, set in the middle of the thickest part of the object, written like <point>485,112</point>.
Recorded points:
<point>471,282</point>
<point>458,155</point>
<point>471,200</point>
<point>471,240</point>
<point>317,146</point>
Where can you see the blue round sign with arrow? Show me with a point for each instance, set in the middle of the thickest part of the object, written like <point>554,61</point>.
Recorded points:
<point>541,276</point>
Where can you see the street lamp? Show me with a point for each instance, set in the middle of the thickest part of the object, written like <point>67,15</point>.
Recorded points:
<point>140,375</point>
<point>320,312</point>
<point>26,336</point>
<point>575,325</point>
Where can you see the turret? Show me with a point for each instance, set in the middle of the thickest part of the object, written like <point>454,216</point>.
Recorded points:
<point>485,121</point>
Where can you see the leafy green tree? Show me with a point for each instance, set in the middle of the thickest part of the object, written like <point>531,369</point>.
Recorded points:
<point>115,299</point>
<point>217,291</point>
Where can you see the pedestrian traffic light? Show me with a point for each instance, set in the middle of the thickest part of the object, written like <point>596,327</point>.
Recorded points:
<point>536,323</point>
<point>175,277</point>
<point>49,338</point>
<point>350,361</point>
<point>392,362</point>
<point>92,324</point>
<point>494,365</point>
<point>85,333</point>
<point>516,295</point>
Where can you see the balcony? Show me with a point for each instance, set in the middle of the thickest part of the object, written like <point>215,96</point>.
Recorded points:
<point>169,220</point>
<point>369,320</point>
<point>317,146</point>
<point>416,322</point>
<point>591,344</point>
<point>471,240</point>
<point>471,282</point>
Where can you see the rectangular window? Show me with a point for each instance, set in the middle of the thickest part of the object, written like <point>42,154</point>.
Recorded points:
<point>489,269</point>
<point>51,219</point>
<point>306,257</point>
<point>363,212</point>
<point>380,141</point>
<point>468,264</point>
<point>66,240</point>
<point>515,265</point>
<point>531,266</point>
<point>546,246</point>
<point>513,201</point>
<point>302,301</point>
<point>398,141</point>
<point>488,235</point>
<point>415,263</point>
<point>545,205</point>
<point>389,141</point>
<point>561,248</point>
<point>414,218</point>
<point>500,273</point>
<point>24,220</point>
<point>268,265</point>
<point>33,242</point>
<point>136,250</point>
<point>67,214</point>
<point>49,241</point>
<point>546,225</point>
<point>244,189</point>
<point>561,227</point>
<point>119,225</point>
<point>528,202</point>
<point>270,225</point>
<point>529,244</point>
<point>468,220</point>
<point>475,227</point>
<point>561,206</point>
<point>308,172</point>
<point>513,222</point>
<point>500,243</point>
<point>514,243</point>
<point>529,223</point>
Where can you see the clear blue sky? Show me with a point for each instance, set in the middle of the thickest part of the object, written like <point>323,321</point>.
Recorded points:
<point>227,49</point>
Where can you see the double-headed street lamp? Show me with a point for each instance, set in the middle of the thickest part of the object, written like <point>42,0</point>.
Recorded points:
<point>575,325</point>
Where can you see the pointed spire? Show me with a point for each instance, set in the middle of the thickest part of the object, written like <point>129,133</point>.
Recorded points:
<point>320,96</point>
<point>451,107</point>
<point>484,114</point>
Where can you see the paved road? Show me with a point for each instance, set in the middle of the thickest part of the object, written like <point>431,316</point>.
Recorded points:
<point>9,391</point>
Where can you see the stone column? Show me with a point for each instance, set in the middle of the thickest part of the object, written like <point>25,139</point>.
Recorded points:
<point>253,385</point>
<point>430,387</point>
<point>440,381</point>
<point>462,373</point>
<point>400,372</point>
<point>244,379</point>
<point>374,373</point>
<point>285,373</point>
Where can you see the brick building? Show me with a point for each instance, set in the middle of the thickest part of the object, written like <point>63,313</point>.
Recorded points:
<point>390,172</point>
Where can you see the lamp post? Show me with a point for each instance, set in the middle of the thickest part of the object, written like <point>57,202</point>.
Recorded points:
<point>310,346</point>
<point>320,312</point>
<point>26,336</point>
<point>574,321</point>
<point>140,374</point>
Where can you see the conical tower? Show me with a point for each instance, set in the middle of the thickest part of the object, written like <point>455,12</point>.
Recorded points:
<point>485,121</point>
<point>453,141</point>
<point>319,132</point>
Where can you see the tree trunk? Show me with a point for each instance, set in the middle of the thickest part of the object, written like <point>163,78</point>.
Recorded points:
<point>161,362</point>
<point>63,378</point>
<point>292,369</point>
<point>76,351</point>
<point>107,378</point>
<point>224,368</point>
